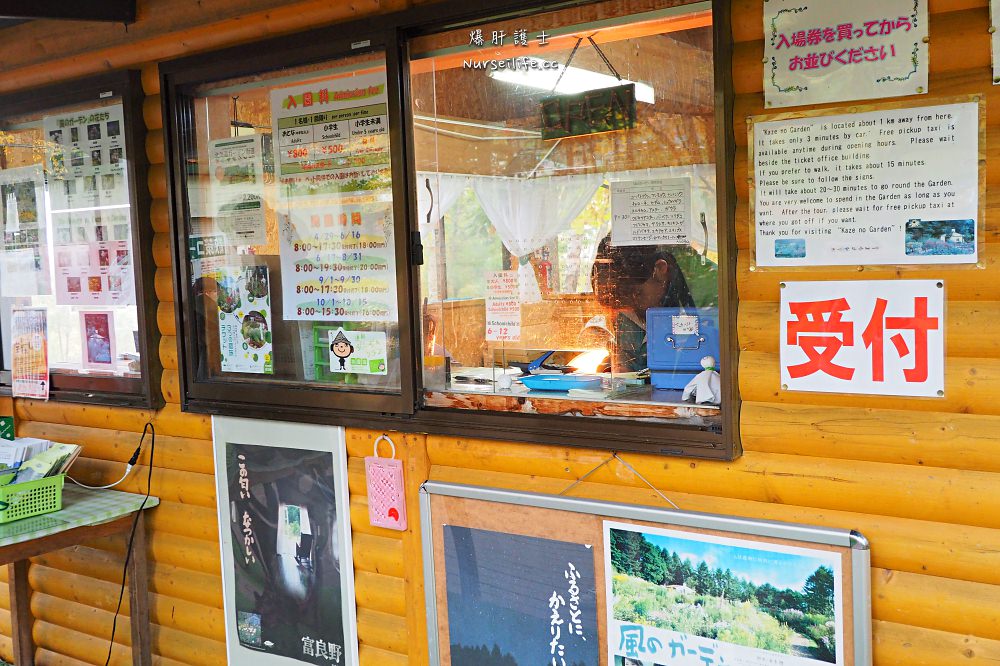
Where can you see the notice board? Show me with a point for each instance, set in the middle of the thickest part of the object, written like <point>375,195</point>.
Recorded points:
<point>518,578</point>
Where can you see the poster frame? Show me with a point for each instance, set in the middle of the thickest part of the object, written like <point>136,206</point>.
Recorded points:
<point>866,107</point>
<point>329,439</point>
<point>854,542</point>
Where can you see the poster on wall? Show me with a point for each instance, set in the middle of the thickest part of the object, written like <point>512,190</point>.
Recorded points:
<point>285,533</point>
<point>651,212</point>
<point>693,599</point>
<point>873,337</point>
<point>93,256</point>
<point>97,330</point>
<point>894,186</point>
<point>88,165</point>
<point>29,353</point>
<point>523,579</point>
<point>516,599</point>
<point>24,260</point>
<point>817,51</point>
<point>244,309</point>
<point>236,167</point>
<point>331,156</point>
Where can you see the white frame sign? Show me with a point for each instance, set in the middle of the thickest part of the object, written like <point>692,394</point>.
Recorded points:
<point>298,550</point>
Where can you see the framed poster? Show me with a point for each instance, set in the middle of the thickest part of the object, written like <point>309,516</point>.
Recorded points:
<point>97,328</point>
<point>897,184</point>
<point>523,579</point>
<point>285,535</point>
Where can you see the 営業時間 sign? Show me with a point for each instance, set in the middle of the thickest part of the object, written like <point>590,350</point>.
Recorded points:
<point>896,186</point>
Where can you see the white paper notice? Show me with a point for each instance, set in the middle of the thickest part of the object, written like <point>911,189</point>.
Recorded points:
<point>875,337</point>
<point>883,187</point>
<point>24,254</point>
<point>503,307</point>
<point>818,51</point>
<point>651,212</point>
<point>237,169</point>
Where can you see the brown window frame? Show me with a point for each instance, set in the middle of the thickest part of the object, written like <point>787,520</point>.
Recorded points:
<point>392,32</point>
<point>142,392</point>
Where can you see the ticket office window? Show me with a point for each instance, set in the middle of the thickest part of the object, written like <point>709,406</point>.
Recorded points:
<point>289,282</point>
<point>74,253</point>
<point>567,196</point>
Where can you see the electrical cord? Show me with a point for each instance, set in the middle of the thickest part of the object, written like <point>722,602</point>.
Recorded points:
<point>128,550</point>
<point>128,466</point>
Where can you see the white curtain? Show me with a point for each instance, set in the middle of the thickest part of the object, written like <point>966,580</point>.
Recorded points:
<point>528,212</point>
<point>447,188</point>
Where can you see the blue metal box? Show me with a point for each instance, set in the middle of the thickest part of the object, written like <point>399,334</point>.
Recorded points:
<point>676,341</point>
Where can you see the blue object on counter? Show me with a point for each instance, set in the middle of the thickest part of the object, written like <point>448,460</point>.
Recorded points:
<point>561,382</point>
<point>676,341</point>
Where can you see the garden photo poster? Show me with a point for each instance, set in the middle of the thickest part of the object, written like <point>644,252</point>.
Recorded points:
<point>689,599</point>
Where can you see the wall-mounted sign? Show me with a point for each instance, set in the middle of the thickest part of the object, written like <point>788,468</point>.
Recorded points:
<point>894,186</point>
<point>874,337</point>
<point>285,533</point>
<point>589,112</point>
<point>522,578</point>
<point>818,51</point>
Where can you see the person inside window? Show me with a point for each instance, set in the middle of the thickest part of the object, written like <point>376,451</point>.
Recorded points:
<point>628,280</point>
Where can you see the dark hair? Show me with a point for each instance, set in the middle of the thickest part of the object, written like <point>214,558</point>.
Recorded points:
<point>620,270</point>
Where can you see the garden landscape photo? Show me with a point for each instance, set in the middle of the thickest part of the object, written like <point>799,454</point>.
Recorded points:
<point>717,594</point>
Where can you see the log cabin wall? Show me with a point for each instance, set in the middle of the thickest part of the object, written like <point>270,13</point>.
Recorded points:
<point>921,485</point>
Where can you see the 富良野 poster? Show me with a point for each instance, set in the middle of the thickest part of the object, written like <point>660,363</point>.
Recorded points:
<point>285,543</point>
<point>690,599</point>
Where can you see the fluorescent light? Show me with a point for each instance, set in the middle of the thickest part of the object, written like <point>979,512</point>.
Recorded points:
<point>574,80</point>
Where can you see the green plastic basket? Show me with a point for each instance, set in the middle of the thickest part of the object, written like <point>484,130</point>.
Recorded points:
<point>31,498</point>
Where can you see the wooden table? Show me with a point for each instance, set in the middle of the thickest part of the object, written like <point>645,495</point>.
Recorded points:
<point>86,515</point>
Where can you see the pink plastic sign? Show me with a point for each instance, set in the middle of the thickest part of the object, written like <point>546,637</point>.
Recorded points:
<point>386,498</point>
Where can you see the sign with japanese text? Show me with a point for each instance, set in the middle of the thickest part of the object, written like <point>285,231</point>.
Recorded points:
<point>24,254</point>
<point>336,235</point>
<point>29,353</point>
<point>876,337</point>
<point>503,307</point>
<point>689,599</point>
<point>818,51</point>
<point>245,322</point>
<point>895,186</point>
<point>651,212</point>
<point>288,590</point>
<point>236,167</point>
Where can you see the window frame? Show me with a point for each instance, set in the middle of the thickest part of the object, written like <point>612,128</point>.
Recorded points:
<point>393,33</point>
<point>143,392</point>
<point>306,402</point>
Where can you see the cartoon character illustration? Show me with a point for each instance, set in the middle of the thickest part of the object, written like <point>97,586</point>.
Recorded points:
<point>342,349</point>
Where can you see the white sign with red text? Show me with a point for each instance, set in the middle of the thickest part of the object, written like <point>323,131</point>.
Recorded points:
<point>875,337</point>
<point>818,51</point>
<point>503,307</point>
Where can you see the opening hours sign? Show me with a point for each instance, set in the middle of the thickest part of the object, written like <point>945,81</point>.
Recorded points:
<point>876,337</point>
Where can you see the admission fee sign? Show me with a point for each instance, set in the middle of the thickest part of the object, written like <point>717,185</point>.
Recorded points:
<point>876,337</point>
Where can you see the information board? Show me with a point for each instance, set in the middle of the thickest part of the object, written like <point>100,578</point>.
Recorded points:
<point>651,212</point>
<point>503,307</point>
<point>335,208</point>
<point>895,186</point>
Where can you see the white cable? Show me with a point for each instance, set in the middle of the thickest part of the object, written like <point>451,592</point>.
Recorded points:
<point>128,470</point>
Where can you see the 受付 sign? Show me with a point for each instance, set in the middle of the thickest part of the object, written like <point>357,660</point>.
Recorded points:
<point>818,51</point>
<point>871,337</point>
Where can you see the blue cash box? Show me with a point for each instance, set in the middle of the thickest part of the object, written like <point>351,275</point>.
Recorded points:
<point>676,341</point>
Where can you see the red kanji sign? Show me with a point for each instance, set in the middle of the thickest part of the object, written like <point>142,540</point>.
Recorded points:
<point>875,337</point>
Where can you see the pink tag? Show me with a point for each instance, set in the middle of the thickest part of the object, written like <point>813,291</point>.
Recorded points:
<point>386,498</point>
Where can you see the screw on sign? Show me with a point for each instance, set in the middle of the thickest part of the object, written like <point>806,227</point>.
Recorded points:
<point>873,337</point>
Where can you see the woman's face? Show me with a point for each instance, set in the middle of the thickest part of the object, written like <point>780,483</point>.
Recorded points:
<point>650,294</point>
